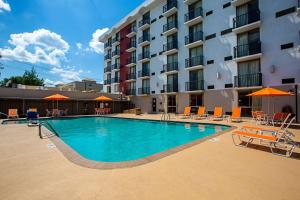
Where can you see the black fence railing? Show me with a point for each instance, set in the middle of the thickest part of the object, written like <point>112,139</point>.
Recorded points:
<point>131,44</point>
<point>144,90</point>
<point>116,53</point>
<point>107,69</point>
<point>170,5</point>
<point>170,88</point>
<point>115,80</point>
<point>194,37</point>
<point>131,92</point>
<point>194,61</point>
<point>131,76</point>
<point>194,85</point>
<point>194,13</point>
<point>144,22</point>
<point>170,67</point>
<point>107,82</point>
<point>115,39</point>
<point>247,49</point>
<point>170,25</point>
<point>132,29</point>
<point>107,57</point>
<point>144,38</point>
<point>107,44</point>
<point>131,60</point>
<point>143,73</point>
<point>246,18</point>
<point>116,66</point>
<point>170,45</point>
<point>248,80</point>
<point>144,55</point>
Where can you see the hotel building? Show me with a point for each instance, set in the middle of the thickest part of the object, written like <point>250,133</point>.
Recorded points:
<point>167,54</point>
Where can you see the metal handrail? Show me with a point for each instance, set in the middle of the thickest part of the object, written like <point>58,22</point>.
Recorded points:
<point>46,125</point>
<point>1,113</point>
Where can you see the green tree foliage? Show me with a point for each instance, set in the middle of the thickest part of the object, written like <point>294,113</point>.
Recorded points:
<point>29,78</point>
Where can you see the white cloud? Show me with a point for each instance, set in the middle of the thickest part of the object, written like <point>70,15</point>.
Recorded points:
<point>40,46</point>
<point>49,82</point>
<point>4,6</point>
<point>79,45</point>
<point>94,44</point>
<point>67,74</point>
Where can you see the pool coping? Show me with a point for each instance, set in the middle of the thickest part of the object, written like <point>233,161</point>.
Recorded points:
<point>77,159</point>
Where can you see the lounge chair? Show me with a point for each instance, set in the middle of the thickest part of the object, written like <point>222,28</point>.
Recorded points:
<point>32,118</point>
<point>32,110</point>
<point>48,113</point>
<point>201,113</point>
<point>236,115</point>
<point>186,113</point>
<point>282,139</point>
<point>218,114</point>
<point>278,118</point>
<point>12,113</point>
<point>55,113</point>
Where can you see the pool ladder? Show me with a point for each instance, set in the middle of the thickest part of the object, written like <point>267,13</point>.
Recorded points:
<point>165,116</point>
<point>46,125</point>
<point>1,113</point>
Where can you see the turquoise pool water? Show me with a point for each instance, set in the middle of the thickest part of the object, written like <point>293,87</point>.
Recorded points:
<point>116,140</point>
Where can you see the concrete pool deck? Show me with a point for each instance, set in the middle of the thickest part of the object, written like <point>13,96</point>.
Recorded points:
<point>31,168</point>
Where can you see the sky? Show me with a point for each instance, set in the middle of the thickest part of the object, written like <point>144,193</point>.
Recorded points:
<point>58,37</point>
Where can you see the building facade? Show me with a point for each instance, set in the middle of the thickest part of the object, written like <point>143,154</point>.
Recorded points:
<point>86,85</point>
<point>169,54</point>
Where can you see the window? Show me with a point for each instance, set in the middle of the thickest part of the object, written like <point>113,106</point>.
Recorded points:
<point>196,100</point>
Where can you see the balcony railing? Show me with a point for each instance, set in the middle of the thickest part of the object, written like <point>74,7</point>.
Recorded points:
<point>131,60</point>
<point>131,44</point>
<point>131,92</point>
<point>107,44</point>
<point>107,82</point>
<point>116,66</point>
<point>107,57</point>
<point>144,55</point>
<point>169,6</point>
<point>116,53</point>
<point>194,85</point>
<point>194,61</point>
<point>115,39</point>
<point>132,29</point>
<point>194,13</point>
<point>144,22</point>
<point>131,76</point>
<point>298,3</point>
<point>144,90</point>
<point>143,73</point>
<point>171,88</point>
<point>115,80</point>
<point>107,69</point>
<point>246,18</point>
<point>248,80</point>
<point>170,45</point>
<point>247,49</point>
<point>144,38</point>
<point>170,67</point>
<point>170,25</point>
<point>194,37</point>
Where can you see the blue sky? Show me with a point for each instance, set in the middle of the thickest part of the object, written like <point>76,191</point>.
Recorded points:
<point>56,36</point>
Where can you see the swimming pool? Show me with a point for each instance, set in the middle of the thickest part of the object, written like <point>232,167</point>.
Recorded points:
<point>107,139</point>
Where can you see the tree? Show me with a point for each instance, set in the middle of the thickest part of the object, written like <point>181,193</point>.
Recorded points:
<point>28,78</point>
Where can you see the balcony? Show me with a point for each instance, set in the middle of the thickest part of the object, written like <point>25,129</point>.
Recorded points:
<point>107,69</point>
<point>170,8</point>
<point>247,52</point>
<point>131,77</point>
<point>131,31</point>
<point>107,45</point>
<point>107,57</point>
<point>237,3</point>
<point>194,63</point>
<point>107,82</point>
<point>193,17</point>
<point>131,46</point>
<point>144,40</point>
<point>170,68</point>
<point>115,80</point>
<point>131,92</point>
<point>144,74</point>
<point>170,28</point>
<point>116,41</point>
<point>248,80</point>
<point>170,88</point>
<point>144,24</point>
<point>116,67</point>
<point>116,54</point>
<point>189,2</point>
<point>170,48</point>
<point>298,8</point>
<point>144,57</point>
<point>193,86</point>
<point>246,22</point>
<point>194,39</point>
<point>144,91</point>
<point>130,62</point>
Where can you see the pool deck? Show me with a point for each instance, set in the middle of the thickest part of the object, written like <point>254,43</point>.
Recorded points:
<point>31,168</point>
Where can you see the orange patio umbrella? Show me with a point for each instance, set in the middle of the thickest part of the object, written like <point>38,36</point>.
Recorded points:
<point>269,92</point>
<point>103,98</point>
<point>56,97</point>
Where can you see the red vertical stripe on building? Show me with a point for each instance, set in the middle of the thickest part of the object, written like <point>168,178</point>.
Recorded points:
<point>123,57</point>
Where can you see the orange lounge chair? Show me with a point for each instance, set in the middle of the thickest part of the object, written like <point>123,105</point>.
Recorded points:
<point>201,113</point>
<point>281,139</point>
<point>218,114</point>
<point>236,115</point>
<point>187,112</point>
<point>12,113</point>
